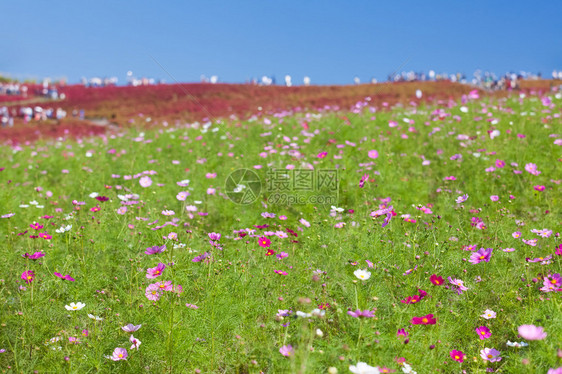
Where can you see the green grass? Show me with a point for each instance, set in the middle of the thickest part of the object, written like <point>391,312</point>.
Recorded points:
<point>238,294</point>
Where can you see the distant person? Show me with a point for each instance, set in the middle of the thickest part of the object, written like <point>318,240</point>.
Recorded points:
<point>306,81</point>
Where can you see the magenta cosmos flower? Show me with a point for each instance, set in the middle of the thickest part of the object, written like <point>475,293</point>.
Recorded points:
<point>119,354</point>
<point>425,320</point>
<point>264,242</point>
<point>436,280</point>
<point>531,332</point>
<point>64,277</point>
<point>28,276</point>
<point>155,271</point>
<point>484,254</point>
<point>458,356</point>
<point>483,332</point>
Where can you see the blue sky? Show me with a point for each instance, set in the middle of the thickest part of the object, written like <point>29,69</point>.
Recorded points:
<point>330,41</point>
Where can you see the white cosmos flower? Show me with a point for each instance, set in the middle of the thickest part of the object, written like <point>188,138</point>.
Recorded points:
<point>63,229</point>
<point>363,368</point>
<point>488,314</point>
<point>93,195</point>
<point>362,274</point>
<point>339,210</point>
<point>516,344</point>
<point>75,306</point>
<point>95,318</point>
<point>239,188</point>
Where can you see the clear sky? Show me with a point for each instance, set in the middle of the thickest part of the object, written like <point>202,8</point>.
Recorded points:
<point>330,41</point>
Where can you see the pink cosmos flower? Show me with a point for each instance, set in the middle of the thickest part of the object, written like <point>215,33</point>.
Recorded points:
<point>539,188</point>
<point>145,182</point>
<point>155,249</point>
<point>131,328</point>
<point>531,332</point>
<point>214,236</point>
<point>322,154</point>
<point>165,286</point>
<point>532,169</point>
<point>361,314</point>
<point>481,255</point>
<point>516,234</point>
<point>459,285</point>
<point>490,354</point>
<point>135,343</point>
<point>483,332</point>
<point>155,271</point>
<point>182,195</point>
<point>461,199</point>
<point>122,210</point>
<point>153,292</point>
<point>287,350</point>
<point>531,242</point>
<point>119,354</point>
<point>373,154</point>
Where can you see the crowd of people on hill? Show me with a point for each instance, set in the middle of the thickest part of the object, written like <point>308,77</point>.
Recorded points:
<point>32,113</point>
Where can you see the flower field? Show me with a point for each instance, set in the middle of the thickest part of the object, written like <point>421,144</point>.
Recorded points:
<point>375,239</point>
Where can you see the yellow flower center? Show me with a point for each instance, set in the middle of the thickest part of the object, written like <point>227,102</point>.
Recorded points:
<point>457,357</point>
<point>424,320</point>
<point>120,355</point>
<point>490,356</point>
<point>483,332</point>
<point>74,307</point>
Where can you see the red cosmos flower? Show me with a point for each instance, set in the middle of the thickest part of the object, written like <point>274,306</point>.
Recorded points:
<point>270,252</point>
<point>438,281</point>
<point>425,320</point>
<point>264,242</point>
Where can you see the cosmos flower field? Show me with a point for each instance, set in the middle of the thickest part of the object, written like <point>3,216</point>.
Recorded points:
<point>367,240</point>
